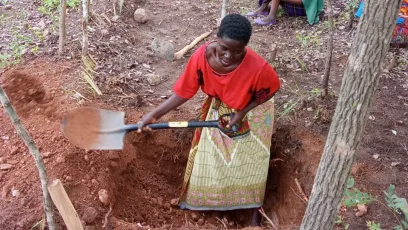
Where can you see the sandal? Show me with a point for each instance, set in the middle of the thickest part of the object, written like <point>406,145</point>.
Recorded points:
<point>257,14</point>
<point>260,22</point>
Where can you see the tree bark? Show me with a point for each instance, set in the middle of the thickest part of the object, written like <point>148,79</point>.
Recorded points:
<point>329,53</point>
<point>35,153</point>
<point>62,28</point>
<point>85,17</point>
<point>360,81</point>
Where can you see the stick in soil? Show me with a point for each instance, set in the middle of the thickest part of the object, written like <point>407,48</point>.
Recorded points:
<point>273,53</point>
<point>329,54</point>
<point>106,216</point>
<point>62,28</point>
<point>267,218</point>
<point>35,153</point>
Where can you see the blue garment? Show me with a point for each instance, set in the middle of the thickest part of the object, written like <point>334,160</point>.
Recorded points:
<point>359,12</point>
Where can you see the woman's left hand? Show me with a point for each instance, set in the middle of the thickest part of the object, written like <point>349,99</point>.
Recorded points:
<point>237,119</point>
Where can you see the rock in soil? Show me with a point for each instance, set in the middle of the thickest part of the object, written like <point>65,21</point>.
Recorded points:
<point>194,216</point>
<point>174,202</point>
<point>14,150</point>
<point>362,209</point>
<point>46,154</point>
<point>140,16</point>
<point>60,159</point>
<point>153,79</point>
<point>160,201</point>
<point>200,221</point>
<point>163,49</point>
<point>103,196</point>
<point>5,166</point>
<point>113,155</point>
<point>12,162</point>
<point>90,215</point>
<point>90,227</point>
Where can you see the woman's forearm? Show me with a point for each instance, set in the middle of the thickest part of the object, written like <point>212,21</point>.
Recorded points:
<point>254,103</point>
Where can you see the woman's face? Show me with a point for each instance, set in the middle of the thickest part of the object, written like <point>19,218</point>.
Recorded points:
<point>229,52</point>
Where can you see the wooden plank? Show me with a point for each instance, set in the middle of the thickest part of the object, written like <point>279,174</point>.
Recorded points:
<point>63,203</point>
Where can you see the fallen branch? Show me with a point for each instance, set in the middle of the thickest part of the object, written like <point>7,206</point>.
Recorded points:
<point>35,153</point>
<point>64,205</point>
<point>301,190</point>
<point>267,218</point>
<point>183,51</point>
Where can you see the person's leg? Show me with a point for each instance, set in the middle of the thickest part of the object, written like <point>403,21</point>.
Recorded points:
<point>262,9</point>
<point>256,218</point>
<point>274,9</point>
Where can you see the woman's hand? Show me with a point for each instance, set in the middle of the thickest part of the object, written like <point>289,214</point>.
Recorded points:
<point>147,119</point>
<point>237,119</point>
<point>173,102</point>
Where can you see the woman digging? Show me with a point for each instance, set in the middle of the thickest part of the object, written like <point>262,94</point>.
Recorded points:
<point>227,171</point>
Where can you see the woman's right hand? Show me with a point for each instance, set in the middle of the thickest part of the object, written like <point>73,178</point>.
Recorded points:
<point>146,120</point>
<point>173,102</point>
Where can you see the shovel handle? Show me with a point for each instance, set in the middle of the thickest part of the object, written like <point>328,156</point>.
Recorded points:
<point>171,125</point>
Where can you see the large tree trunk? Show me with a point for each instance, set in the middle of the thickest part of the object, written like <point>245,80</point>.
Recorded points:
<point>62,28</point>
<point>35,153</point>
<point>85,17</point>
<point>329,54</point>
<point>360,81</point>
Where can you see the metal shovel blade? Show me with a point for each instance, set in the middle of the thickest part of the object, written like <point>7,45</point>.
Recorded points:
<point>92,128</point>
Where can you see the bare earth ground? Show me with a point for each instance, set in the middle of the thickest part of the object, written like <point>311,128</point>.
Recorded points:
<point>143,178</point>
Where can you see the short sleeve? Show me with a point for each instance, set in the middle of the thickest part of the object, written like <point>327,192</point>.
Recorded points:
<point>188,83</point>
<point>267,84</point>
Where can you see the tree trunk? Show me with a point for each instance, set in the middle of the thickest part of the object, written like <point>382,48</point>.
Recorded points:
<point>62,28</point>
<point>35,153</point>
<point>351,18</point>
<point>329,54</point>
<point>85,16</point>
<point>360,81</point>
<point>224,9</point>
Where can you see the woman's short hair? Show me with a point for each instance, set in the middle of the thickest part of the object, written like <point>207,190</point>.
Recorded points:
<point>236,27</point>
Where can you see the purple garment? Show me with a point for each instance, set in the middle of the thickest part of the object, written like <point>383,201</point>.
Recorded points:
<point>291,10</point>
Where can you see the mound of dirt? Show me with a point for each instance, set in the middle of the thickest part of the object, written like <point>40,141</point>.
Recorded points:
<point>27,94</point>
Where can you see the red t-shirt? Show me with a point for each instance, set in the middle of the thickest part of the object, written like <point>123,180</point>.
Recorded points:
<point>254,78</point>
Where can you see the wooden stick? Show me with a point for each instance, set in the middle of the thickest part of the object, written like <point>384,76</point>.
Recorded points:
<point>267,218</point>
<point>62,27</point>
<point>183,51</point>
<point>35,153</point>
<point>64,205</point>
<point>224,9</point>
<point>301,190</point>
<point>273,53</point>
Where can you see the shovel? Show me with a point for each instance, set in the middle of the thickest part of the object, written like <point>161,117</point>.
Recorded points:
<point>93,128</point>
